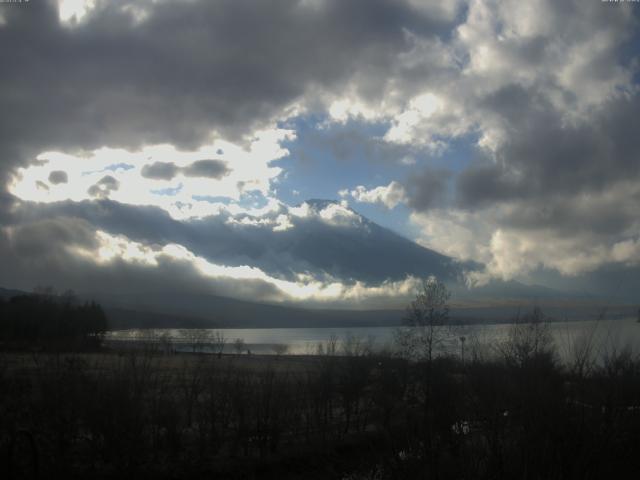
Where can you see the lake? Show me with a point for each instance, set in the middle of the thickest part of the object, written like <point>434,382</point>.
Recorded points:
<point>606,335</point>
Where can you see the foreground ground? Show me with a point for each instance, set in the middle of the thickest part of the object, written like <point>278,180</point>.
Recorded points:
<point>153,415</point>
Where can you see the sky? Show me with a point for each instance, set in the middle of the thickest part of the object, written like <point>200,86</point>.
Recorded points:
<point>174,145</point>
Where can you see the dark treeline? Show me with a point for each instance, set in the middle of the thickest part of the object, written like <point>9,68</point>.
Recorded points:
<point>46,320</point>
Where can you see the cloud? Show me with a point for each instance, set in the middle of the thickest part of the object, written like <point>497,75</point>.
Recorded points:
<point>388,195</point>
<point>200,168</point>
<point>178,181</point>
<point>160,171</point>
<point>305,288</point>
<point>427,189</point>
<point>587,155</point>
<point>50,236</point>
<point>516,240</point>
<point>206,168</point>
<point>131,74</point>
<point>554,178</point>
<point>513,254</point>
<point>323,239</point>
<point>515,123</point>
<point>104,187</point>
<point>456,233</point>
<point>70,252</point>
<point>72,12</point>
<point>58,176</point>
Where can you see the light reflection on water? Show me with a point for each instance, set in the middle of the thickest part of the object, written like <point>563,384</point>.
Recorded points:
<point>606,335</point>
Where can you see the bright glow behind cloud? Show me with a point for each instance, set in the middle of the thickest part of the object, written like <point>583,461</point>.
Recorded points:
<point>248,170</point>
<point>74,10</point>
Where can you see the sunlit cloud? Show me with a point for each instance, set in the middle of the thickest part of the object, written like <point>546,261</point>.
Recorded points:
<point>199,180</point>
<point>73,11</point>
<point>388,195</point>
<point>307,287</point>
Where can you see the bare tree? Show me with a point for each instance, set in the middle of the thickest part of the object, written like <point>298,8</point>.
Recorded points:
<point>195,338</point>
<point>280,349</point>
<point>357,346</point>
<point>166,343</point>
<point>425,323</point>
<point>529,339</point>
<point>238,345</point>
<point>329,348</point>
<point>218,341</point>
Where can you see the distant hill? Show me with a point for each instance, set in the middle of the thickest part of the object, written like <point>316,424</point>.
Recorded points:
<point>194,310</point>
<point>208,311</point>
<point>123,319</point>
<point>174,310</point>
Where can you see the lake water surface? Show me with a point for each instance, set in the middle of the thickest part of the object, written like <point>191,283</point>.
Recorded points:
<point>606,335</point>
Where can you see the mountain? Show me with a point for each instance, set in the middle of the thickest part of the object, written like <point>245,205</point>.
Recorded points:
<point>354,247</point>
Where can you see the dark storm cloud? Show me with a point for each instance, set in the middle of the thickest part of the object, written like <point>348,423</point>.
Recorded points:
<point>427,190</point>
<point>145,224</point>
<point>7,205</point>
<point>206,168</point>
<point>572,216</point>
<point>27,262</point>
<point>58,176</point>
<point>573,177</point>
<point>547,155</point>
<point>484,184</point>
<point>48,237</point>
<point>160,170</point>
<point>184,70</point>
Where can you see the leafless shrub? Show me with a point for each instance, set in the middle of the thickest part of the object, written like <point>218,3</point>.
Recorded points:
<point>218,341</point>
<point>355,346</point>
<point>329,347</point>
<point>195,338</point>
<point>238,345</point>
<point>280,349</point>
<point>529,339</point>
<point>165,343</point>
